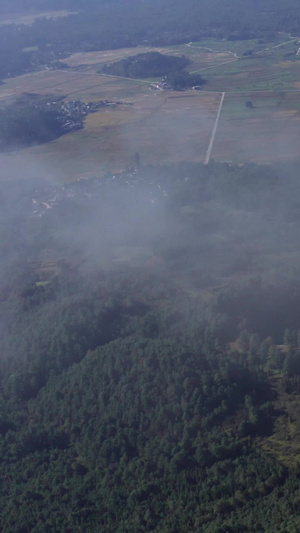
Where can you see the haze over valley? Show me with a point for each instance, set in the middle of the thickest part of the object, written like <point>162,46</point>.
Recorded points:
<point>149,266</point>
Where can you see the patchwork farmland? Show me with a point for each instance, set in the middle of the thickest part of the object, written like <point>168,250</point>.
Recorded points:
<point>258,118</point>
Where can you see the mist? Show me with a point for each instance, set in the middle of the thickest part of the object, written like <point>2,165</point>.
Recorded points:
<point>149,267</point>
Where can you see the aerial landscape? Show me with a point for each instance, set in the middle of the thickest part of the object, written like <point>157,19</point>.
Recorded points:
<point>150,266</point>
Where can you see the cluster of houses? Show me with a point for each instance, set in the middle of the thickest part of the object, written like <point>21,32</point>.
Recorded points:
<point>71,114</point>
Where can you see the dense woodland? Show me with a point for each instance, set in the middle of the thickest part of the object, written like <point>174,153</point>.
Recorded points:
<point>149,324</point>
<point>156,65</point>
<point>152,64</point>
<point>28,123</point>
<point>33,119</point>
<point>181,80</point>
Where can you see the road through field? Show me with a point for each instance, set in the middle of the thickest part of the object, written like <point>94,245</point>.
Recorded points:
<point>211,142</point>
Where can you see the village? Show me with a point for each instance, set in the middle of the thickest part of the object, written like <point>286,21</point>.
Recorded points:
<point>71,114</point>
<point>48,197</point>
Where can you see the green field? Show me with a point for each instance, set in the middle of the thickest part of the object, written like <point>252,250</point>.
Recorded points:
<point>268,131</point>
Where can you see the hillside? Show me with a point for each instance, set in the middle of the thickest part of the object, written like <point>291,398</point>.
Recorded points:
<point>146,367</point>
<point>149,266</point>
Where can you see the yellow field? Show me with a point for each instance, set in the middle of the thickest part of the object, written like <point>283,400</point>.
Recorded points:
<point>162,127</point>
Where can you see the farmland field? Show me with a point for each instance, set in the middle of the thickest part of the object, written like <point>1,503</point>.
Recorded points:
<point>161,127</point>
<point>259,120</point>
<point>73,85</point>
<point>268,131</point>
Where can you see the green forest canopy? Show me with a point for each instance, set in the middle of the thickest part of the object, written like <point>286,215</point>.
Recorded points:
<point>136,393</point>
<point>146,65</point>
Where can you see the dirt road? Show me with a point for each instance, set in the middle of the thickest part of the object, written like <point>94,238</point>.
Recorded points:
<point>211,142</point>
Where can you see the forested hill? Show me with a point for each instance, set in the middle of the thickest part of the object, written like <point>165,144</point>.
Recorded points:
<point>150,368</point>
<point>152,64</point>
